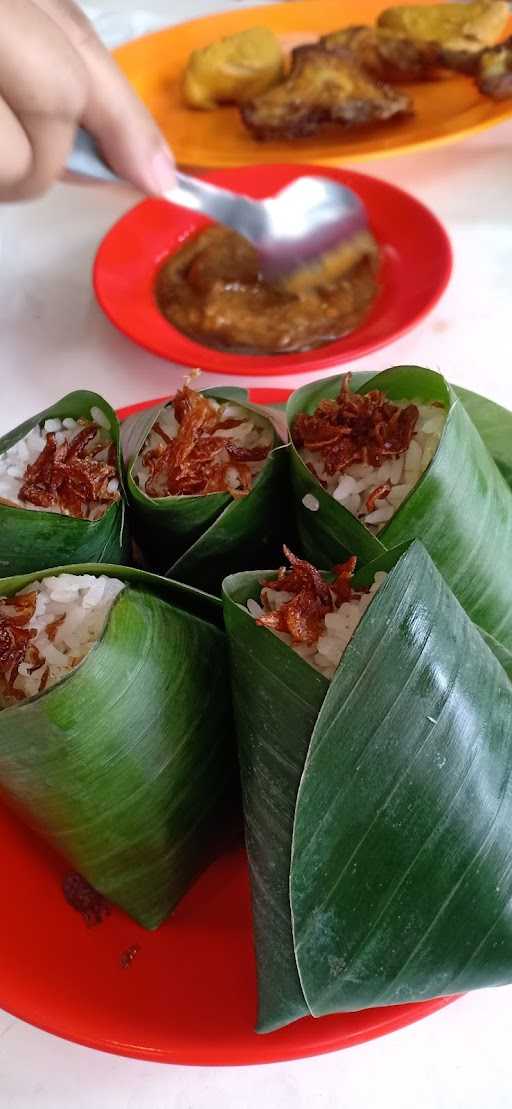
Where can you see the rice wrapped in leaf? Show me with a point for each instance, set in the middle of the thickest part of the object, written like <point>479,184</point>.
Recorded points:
<point>373,722</point>
<point>115,726</point>
<point>397,459</point>
<point>204,478</point>
<point>61,495</point>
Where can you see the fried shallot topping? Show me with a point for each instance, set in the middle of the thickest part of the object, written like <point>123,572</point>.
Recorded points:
<point>198,460</point>
<point>69,476</point>
<point>354,428</point>
<point>303,615</point>
<point>15,641</point>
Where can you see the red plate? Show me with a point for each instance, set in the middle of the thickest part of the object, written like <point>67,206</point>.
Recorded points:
<point>416,266</point>
<point>189,996</point>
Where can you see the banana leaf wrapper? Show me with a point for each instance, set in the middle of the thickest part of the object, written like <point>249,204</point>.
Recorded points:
<point>127,764</point>
<point>200,539</point>
<point>494,425</point>
<point>460,509</point>
<point>32,539</point>
<point>378,807</point>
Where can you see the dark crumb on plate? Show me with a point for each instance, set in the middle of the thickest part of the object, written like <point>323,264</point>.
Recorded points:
<point>91,905</point>
<point>129,955</point>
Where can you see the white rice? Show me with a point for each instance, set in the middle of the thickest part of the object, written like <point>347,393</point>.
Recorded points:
<point>85,602</point>
<point>253,431</point>
<point>340,625</point>
<point>14,462</point>
<point>354,485</point>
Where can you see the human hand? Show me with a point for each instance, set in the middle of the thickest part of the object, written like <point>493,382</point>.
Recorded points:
<point>54,75</point>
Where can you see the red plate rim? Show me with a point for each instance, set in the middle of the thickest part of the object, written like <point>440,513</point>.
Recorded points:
<point>400,1016</point>
<point>416,267</point>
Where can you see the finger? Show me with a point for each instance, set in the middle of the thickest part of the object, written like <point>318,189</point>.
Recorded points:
<point>49,141</point>
<point>126,132</point>
<point>44,85</point>
<point>17,158</point>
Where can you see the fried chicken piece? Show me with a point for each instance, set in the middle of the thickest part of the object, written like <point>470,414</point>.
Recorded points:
<point>457,28</point>
<point>387,56</point>
<point>361,41</point>
<point>494,71</point>
<point>323,86</point>
<point>459,61</point>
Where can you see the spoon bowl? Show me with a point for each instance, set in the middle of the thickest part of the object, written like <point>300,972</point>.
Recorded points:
<point>291,231</point>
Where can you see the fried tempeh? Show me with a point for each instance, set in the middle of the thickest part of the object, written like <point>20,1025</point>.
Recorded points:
<point>456,27</point>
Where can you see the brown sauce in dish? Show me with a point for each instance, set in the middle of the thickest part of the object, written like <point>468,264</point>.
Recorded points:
<point>212,291</point>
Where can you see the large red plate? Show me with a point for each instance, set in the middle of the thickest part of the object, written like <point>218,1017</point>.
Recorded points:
<point>189,996</point>
<point>416,266</point>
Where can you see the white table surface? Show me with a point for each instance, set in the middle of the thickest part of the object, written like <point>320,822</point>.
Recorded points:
<point>53,338</point>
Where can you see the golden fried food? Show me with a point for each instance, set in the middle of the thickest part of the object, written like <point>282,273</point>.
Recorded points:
<point>212,290</point>
<point>234,69</point>
<point>361,41</point>
<point>385,55</point>
<point>494,72</point>
<point>456,27</point>
<point>329,267</point>
<point>323,86</point>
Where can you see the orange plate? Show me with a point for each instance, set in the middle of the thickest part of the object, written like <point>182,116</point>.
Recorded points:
<point>446,109</point>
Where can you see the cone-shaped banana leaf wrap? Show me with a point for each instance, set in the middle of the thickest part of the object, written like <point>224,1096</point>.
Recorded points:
<point>460,508</point>
<point>378,807</point>
<point>33,539</point>
<point>126,763</point>
<point>200,539</point>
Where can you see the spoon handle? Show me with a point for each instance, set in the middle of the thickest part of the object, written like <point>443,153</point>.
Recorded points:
<point>219,204</point>
<point>86,159</point>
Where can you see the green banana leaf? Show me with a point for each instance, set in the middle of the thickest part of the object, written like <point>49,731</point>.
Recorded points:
<point>32,539</point>
<point>494,424</point>
<point>461,508</point>
<point>200,539</point>
<point>378,807</point>
<point>127,764</point>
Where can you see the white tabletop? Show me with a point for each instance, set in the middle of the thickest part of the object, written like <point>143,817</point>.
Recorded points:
<point>53,338</point>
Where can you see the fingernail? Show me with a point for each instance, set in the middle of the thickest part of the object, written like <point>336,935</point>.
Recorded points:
<point>163,171</point>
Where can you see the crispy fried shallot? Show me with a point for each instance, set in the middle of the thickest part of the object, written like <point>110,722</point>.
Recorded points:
<point>355,428</point>
<point>15,640</point>
<point>197,460</point>
<point>304,614</point>
<point>69,476</point>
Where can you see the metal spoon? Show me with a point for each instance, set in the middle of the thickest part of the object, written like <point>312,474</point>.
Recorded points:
<point>291,230</point>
